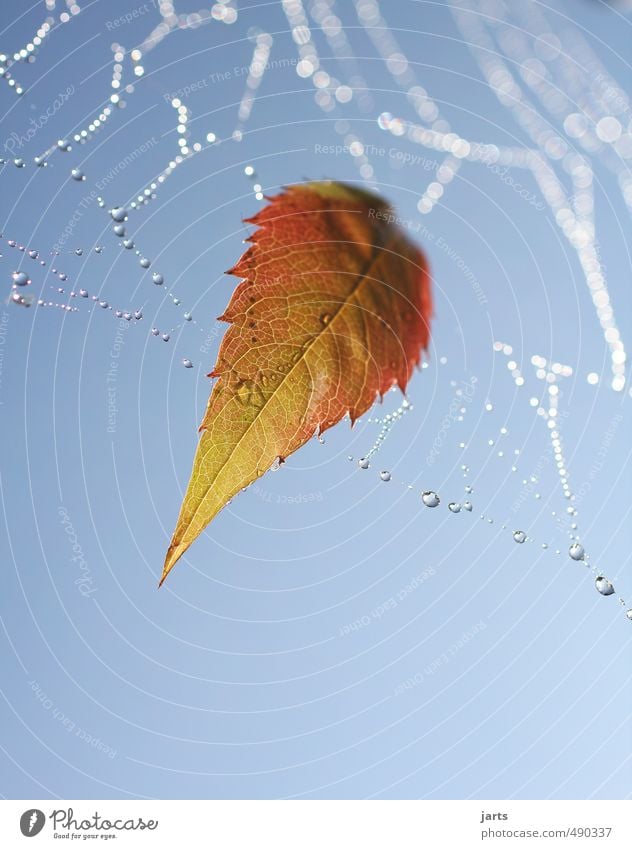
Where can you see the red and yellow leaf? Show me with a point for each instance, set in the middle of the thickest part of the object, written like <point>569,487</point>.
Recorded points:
<point>333,309</point>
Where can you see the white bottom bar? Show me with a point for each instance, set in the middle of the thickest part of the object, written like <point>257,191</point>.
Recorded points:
<point>317,824</point>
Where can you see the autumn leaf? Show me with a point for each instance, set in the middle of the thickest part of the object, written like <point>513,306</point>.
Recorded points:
<point>332,311</point>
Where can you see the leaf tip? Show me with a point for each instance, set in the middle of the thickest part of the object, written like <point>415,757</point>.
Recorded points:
<point>174,553</point>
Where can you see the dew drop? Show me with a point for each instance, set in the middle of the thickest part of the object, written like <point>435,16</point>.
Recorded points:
<point>278,462</point>
<point>138,315</point>
<point>19,163</point>
<point>187,363</point>
<point>176,302</point>
<point>155,331</point>
<point>454,507</point>
<point>363,463</point>
<point>128,244</point>
<point>603,586</point>
<point>63,145</point>
<point>576,551</point>
<point>119,229</point>
<point>103,304</point>
<point>83,293</point>
<point>430,498</point>
<point>118,214</point>
<point>165,337</point>
<point>157,278</point>
<point>145,263</point>
<point>385,476</point>
<point>519,536</point>
<point>629,614</point>
<point>325,318</point>
<point>467,505</point>
<point>20,278</point>
<point>188,316</point>
<point>468,489</point>
<point>78,175</point>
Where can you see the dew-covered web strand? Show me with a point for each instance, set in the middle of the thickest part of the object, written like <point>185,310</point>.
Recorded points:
<point>331,96</point>
<point>600,134</point>
<point>119,216</point>
<point>187,149</point>
<point>430,498</point>
<point>171,21</point>
<point>29,52</point>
